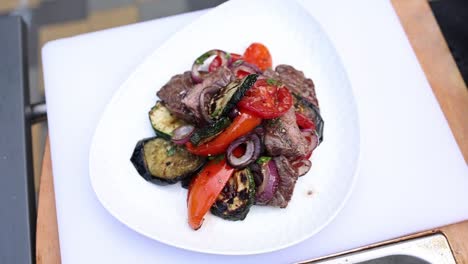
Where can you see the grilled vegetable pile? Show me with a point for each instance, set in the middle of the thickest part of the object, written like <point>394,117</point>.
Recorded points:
<point>234,131</point>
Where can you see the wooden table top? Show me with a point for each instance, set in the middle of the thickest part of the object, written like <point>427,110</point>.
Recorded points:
<point>444,77</point>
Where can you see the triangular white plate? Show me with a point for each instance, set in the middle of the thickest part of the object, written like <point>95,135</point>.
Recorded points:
<point>294,38</point>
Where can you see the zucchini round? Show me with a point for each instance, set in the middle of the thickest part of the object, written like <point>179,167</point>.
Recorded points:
<point>228,97</point>
<point>237,196</point>
<point>163,121</point>
<point>210,131</point>
<point>162,162</point>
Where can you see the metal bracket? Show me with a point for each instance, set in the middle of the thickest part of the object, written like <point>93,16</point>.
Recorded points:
<point>17,197</point>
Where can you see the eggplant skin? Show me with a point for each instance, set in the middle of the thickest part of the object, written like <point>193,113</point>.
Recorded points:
<point>139,162</point>
<point>236,198</point>
<point>185,182</point>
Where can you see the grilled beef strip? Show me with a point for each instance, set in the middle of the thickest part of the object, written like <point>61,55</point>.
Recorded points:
<point>283,137</point>
<point>174,91</point>
<point>297,82</point>
<point>214,80</point>
<point>288,177</point>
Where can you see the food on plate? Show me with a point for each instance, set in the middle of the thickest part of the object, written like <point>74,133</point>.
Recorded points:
<point>259,55</point>
<point>235,199</point>
<point>205,188</point>
<point>161,161</point>
<point>234,131</point>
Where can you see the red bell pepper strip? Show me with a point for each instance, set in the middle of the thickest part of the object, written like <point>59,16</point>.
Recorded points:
<point>205,188</point>
<point>240,126</point>
<point>304,122</point>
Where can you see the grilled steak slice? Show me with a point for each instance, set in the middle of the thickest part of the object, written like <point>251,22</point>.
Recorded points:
<point>288,177</point>
<point>283,136</point>
<point>174,91</point>
<point>296,82</point>
<point>213,81</point>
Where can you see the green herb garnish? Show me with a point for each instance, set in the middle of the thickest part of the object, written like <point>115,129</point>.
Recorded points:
<point>237,63</point>
<point>273,82</point>
<point>263,160</point>
<point>200,60</point>
<point>274,121</point>
<point>170,151</point>
<point>216,159</point>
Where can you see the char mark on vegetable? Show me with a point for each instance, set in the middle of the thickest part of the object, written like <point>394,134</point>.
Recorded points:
<point>200,93</point>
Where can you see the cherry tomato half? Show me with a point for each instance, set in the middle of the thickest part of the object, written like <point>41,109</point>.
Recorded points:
<point>267,100</point>
<point>259,55</point>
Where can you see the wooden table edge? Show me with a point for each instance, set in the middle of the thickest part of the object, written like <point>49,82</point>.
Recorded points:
<point>447,84</point>
<point>47,238</point>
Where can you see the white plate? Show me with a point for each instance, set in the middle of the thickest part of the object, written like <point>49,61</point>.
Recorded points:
<point>293,37</point>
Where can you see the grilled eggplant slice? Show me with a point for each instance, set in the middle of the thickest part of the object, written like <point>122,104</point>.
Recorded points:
<point>162,162</point>
<point>163,121</point>
<point>308,109</point>
<point>237,196</point>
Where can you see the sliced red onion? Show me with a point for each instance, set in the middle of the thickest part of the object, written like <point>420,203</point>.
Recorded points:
<point>260,130</point>
<point>252,151</point>
<point>245,67</point>
<point>302,166</point>
<point>269,186</point>
<point>233,113</point>
<point>181,135</point>
<point>203,105</point>
<point>307,130</point>
<point>235,64</point>
<point>253,67</point>
<point>196,77</point>
<point>198,63</point>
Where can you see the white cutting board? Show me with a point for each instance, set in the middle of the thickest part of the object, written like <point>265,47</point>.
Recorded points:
<point>412,174</point>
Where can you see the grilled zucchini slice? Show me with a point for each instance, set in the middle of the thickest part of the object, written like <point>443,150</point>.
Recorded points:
<point>228,97</point>
<point>237,196</point>
<point>220,105</point>
<point>163,121</point>
<point>160,161</point>
<point>308,109</point>
<point>210,131</point>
